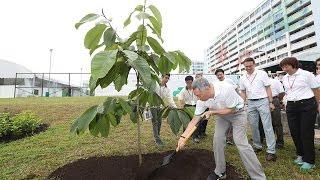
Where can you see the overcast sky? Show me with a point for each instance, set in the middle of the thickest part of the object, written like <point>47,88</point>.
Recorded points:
<point>30,28</point>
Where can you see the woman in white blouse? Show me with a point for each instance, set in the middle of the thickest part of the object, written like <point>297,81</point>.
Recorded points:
<point>302,105</point>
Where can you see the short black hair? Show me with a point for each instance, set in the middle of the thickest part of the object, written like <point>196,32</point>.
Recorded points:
<point>317,60</point>
<point>166,75</point>
<point>219,70</point>
<point>188,78</point>
<point>249,59</point>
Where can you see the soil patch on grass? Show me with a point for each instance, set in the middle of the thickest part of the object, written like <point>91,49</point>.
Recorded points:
<point>192,164</point>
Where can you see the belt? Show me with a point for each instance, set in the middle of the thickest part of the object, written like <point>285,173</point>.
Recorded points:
<point>256,99</point>
<point>301,101</point>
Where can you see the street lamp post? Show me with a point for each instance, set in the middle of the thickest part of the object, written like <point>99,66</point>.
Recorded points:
<point>49,73</point>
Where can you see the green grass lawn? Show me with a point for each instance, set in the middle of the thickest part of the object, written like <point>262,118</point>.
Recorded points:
<point>41,154</point>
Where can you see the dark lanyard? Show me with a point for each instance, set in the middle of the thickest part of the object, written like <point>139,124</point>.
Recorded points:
<point>252,79</point>
<point>291,85</point>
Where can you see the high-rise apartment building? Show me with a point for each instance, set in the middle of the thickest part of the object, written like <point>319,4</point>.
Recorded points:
<point>272,31</point>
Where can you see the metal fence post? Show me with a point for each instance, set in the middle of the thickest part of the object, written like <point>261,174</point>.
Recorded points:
<point>15,86</point>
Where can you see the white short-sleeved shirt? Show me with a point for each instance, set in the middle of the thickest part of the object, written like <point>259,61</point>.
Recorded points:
<point>188,97</point>
<point>229,81</point>
<point>255,84</point>
<point>165,93</point>
<point>318,78</point>
<point>299,85</point>
<point>224,97</point>
<point>276,87</point>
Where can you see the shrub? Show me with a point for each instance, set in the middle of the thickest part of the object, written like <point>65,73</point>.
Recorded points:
<point>25,123</point>
<point>5,124</point>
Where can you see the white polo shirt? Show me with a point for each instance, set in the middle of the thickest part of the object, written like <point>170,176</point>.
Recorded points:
<point>188,97</point>
<point>276,87</point>
<point>229,81</point>
<point>255,84</point>
<point>299,85</point>
<point>224,97</point>
<point>165,93</point>
<point>318,78</point>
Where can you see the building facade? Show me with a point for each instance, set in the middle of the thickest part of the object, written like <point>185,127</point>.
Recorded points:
<point>197,67</point>
<point>272,31</point>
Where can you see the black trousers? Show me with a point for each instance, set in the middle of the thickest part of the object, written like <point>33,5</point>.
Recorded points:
<point>276,120</point>
<point>201,130</point>
<point>301,119</point>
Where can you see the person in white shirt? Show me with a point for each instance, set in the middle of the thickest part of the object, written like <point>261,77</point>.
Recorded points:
<point>220,75</point>
<point>302,91</point>
<point>165,94</point>
<point>186,99</point>
<point>224,102</point>
<point>255,85</point>
<point>277,94</point>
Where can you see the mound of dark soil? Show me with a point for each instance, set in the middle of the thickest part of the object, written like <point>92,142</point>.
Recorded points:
<point>185,165</point>
<point>11,137</point>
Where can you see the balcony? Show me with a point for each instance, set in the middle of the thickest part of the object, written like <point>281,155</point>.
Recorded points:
<point>289,2</point>
<point>296,5</point>
<point>314,49</point>
<point>297,15</point>
<point>302,33</point>
<point>301,23</point>
<point>303,43</point>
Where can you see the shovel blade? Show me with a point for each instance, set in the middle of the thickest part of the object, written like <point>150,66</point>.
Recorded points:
<point>167,159</point>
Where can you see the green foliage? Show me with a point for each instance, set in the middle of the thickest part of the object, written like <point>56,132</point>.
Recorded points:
<point>177,118</point>
<point>141,51</point>
<point>25,123</point>
<point>98,118</point>
<point>5,124</point>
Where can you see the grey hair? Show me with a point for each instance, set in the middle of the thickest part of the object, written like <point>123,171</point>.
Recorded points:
<point>200,83</point>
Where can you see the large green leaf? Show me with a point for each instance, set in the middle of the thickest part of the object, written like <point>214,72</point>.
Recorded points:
<point>170,57</point>
<point>156,13</point>
<point>124,104</point>
<point>112,119</point>
<point>165,112</point>
<point>103,125</point>
<point>110,77</point>
<point>185,62</point>
<point>87,18</point>
<point>154,99</point>
<point>93,128</point>
<point>131,39</point>
<point>109,37</point>
<point>156,25</point>
<point>95,48</point>
<point>109,105</point>
<point>134,113</point>
<point>128,20</point>
<point>133,94</point>
<point>190,111</point>
<point>122,78</point>
<point>157,48</point>
<point>93,36</point>
<point>164,65</point>
<point>82,122</point>
<point>155,32</point>
<point>141,37</point>
<point>140,64</point>
<point>139,8</point>
<point>184,118</point>
<point>102,62</point>
<point>173,121</point>
<point>92,84</point>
